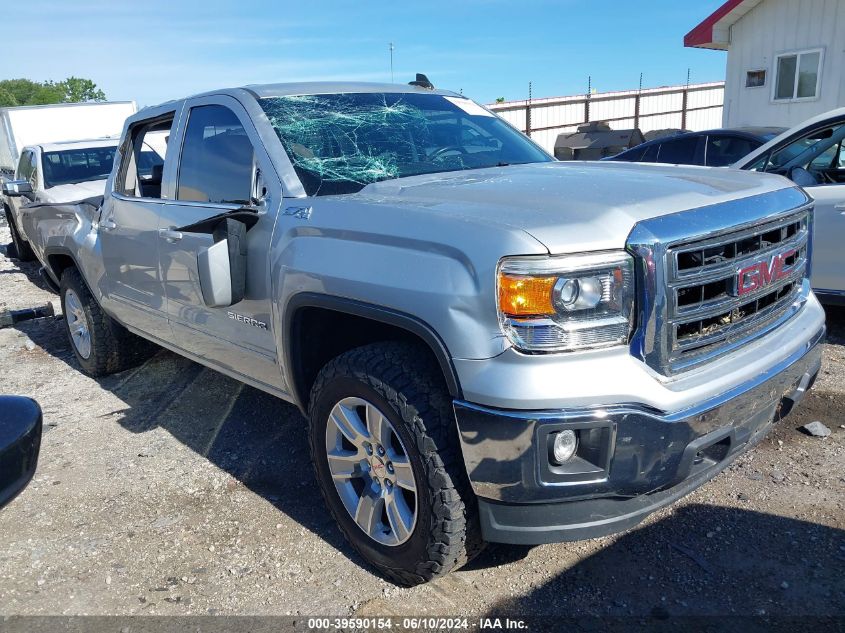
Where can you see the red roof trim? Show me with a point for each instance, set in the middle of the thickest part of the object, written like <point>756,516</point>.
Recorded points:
<point>702,35</point>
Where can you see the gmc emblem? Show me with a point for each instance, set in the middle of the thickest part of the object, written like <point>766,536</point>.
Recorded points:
<point>763,273</point>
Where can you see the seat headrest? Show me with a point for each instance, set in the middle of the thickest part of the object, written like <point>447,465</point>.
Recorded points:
<point>157,172</point>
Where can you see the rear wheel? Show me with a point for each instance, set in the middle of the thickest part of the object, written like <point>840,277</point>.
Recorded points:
<point>101,345</point>
<point>385,451</point>
<point>23,251</point>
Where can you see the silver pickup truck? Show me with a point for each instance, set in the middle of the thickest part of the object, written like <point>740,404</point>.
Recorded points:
<point>488,345</point>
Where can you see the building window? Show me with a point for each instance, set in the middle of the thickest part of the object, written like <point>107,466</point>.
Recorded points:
<point>755,78</point>
<point>798,75</point>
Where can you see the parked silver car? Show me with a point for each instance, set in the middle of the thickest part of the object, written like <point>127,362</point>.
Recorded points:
<point>813,155</point>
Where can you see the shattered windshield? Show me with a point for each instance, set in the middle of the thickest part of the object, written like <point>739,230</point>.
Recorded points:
<point>339,143</point>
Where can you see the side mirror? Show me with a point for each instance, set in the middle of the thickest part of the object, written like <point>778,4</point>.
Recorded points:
<point>20,441</point>
<point>802,177</point>
<point>17,188</point>
<point>222,267</point>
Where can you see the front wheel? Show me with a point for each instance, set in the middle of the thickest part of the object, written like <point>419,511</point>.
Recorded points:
<point>384,446</point>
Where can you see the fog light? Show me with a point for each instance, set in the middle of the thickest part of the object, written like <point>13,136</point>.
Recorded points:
<point>564,446</point>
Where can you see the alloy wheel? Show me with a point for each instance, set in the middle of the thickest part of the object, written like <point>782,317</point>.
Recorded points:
<point>371,471</point>
<point>77,323</point>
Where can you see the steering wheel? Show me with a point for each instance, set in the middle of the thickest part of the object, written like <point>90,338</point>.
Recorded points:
<point>828,175</point>
<point>438,153</point>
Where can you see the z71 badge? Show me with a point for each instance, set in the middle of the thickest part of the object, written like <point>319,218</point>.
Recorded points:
<point>248,320</point>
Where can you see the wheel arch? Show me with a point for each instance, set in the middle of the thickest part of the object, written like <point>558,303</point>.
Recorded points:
<point>57,260</point>
<point>370,323</point>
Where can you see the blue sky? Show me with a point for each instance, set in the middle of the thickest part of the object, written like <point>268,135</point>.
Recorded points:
<point>155,50</point>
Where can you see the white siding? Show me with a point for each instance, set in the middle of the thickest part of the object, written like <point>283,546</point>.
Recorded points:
<point>780,26</point>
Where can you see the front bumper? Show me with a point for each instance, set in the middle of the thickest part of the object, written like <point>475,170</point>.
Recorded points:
<point>631,460</point>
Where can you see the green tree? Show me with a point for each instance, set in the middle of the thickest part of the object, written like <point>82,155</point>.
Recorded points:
<point>26,92</point>
<point>18,92</point>
<point>7,98</point>
<point>77,89</point>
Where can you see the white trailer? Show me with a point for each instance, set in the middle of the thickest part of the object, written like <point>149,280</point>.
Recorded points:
<point>30,125</point>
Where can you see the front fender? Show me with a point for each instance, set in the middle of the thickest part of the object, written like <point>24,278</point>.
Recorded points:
<point>438,269</point>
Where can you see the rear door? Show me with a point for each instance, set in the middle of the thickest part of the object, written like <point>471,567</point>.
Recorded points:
<point>222,167</point>
<point>725,149</point>
<point>128,232</point>
<point>687,150</point>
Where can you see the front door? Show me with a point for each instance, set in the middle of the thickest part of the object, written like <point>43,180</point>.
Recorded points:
<point>828,237</point>
<point>27,170</point>
<point>129,238</point>
<point>829,234</point>
<point>820,150</point>
<point>216,173</point>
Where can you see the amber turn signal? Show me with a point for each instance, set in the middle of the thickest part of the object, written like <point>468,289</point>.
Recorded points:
<point>526,296</point>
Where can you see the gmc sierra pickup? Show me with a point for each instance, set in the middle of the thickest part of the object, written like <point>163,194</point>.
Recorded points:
<point>488,345</point>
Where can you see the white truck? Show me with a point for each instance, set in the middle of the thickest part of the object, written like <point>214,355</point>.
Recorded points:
<point>23,132</point>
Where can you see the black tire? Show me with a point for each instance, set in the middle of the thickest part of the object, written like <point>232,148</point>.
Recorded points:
<point>23,251</point>
<point>113,348</point>
<point>406,385</point>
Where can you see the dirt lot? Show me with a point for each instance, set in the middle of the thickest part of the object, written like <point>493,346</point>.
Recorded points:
<point>171,489</point>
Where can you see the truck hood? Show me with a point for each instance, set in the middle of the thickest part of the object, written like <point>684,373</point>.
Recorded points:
<point>73,192</point>
<point>573,206</point>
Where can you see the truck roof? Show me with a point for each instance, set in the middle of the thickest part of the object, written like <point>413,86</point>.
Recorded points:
<point>333,87</point>
<point>310,88</point>
<point>84,144</point>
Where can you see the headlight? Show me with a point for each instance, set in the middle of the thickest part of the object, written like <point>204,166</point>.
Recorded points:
<point>571,302</point>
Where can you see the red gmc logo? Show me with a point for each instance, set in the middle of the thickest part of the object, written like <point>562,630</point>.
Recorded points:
<point>762,274</point>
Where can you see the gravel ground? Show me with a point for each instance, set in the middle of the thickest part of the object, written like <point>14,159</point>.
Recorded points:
<point>171,489</point>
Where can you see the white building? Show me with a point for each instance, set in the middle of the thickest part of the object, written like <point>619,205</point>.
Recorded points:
<point>786,58</point>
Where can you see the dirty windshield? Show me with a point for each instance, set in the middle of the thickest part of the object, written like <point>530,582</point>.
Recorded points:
<point>339,143</point>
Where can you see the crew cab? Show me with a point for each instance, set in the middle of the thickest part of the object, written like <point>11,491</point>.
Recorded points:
<point>488,345</point>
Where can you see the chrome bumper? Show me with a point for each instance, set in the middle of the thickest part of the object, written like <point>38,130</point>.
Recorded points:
<point>631,459</point>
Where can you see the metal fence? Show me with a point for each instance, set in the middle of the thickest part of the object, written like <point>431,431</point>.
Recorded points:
<point>688,107</point>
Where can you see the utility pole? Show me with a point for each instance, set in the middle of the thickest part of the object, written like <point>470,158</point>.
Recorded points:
<point>685,102</point>
<point>637,103</point>
<point>391,62</point>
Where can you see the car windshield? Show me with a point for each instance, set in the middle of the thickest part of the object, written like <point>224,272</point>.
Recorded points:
<point>339,143</point>
<point>817,148</point>
<point>77,165</point>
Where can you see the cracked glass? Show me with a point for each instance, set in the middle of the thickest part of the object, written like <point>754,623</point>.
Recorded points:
<point>340,143</point>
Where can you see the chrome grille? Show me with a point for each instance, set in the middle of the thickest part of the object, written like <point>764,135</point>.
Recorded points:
<point>710,293</point>
<point>705,307</point>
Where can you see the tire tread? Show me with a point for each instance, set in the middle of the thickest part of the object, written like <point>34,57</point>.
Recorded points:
<point>405,375</point>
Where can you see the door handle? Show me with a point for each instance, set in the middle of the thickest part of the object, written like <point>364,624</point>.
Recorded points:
<point>170,235</point>
<point>108,225</point>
